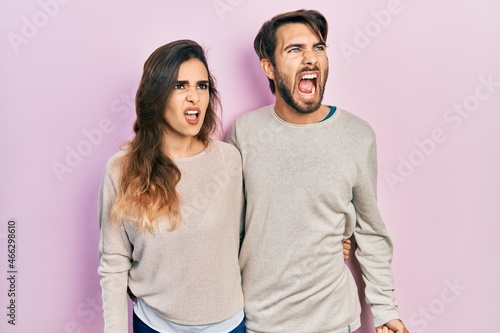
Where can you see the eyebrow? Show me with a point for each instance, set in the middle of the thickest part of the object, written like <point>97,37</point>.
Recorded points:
<point>291,46</point>
<point>187,82</point>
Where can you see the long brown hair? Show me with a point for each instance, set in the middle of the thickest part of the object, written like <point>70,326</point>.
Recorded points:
<point>149,177</point>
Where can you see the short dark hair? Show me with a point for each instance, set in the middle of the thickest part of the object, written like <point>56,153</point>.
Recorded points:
<point>265,41</point>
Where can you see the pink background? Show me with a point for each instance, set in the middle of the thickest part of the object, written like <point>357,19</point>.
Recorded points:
<point>69,70</point>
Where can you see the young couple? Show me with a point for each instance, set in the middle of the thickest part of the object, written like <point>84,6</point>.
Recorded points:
<point>213,237</point>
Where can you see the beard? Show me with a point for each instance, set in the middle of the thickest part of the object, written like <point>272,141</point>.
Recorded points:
<point>283,84</point>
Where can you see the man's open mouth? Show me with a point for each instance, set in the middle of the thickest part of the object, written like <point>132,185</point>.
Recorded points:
<point>307,84</point>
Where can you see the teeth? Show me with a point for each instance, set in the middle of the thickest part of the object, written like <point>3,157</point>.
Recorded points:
<point>192,112</point>
<point>309,76</point>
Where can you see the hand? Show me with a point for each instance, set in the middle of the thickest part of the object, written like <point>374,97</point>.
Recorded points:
<point>346,248</point>
<point>393,326</point>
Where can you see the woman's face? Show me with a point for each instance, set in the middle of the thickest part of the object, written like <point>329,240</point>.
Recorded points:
<point>187,106</point>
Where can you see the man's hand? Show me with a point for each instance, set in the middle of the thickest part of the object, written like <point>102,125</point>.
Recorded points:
<point>393,326</point>
<point>346,248</point>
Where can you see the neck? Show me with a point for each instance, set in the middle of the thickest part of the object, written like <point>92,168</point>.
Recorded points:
<point>181,148</point>
<point>292,116</point>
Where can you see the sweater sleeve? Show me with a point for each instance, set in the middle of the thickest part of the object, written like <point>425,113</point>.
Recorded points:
<point>115,260</point>
<point>231,136</point>
<point>231,139</point>
<point>374,247</point>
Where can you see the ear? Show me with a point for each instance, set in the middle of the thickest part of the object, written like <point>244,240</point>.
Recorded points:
<point>267,68</point>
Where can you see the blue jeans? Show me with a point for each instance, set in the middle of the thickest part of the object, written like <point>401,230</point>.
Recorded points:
<point>140,327</point>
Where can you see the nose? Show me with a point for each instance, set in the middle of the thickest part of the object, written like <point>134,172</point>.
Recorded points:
<point>192,96</point>
<point>310,57</point>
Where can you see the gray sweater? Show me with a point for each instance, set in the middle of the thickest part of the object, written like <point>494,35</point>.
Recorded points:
<point>307,188</point>
<point>191,275</point>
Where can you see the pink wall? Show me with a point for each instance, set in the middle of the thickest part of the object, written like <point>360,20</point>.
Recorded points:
<point>425,74</point>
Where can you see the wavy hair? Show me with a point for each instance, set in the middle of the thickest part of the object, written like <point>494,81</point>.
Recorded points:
<point>149,177</point>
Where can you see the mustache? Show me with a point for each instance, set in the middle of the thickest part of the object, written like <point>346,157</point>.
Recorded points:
<point>308,69</point>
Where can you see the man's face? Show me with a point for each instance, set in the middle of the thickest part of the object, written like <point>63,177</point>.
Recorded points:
<point>301,67</point>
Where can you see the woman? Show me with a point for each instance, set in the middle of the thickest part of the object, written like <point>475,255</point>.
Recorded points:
<point>170,207</point>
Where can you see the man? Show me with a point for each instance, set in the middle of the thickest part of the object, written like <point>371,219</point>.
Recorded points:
<point>310,182</point>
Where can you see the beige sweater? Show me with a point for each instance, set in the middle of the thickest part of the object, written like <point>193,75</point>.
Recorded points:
<point>191,275</point>
<point>307,188</point>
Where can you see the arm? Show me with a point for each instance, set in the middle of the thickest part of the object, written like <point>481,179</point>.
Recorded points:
<point>231,139</point>
<point>115,261</point>
<point>374,247</point>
